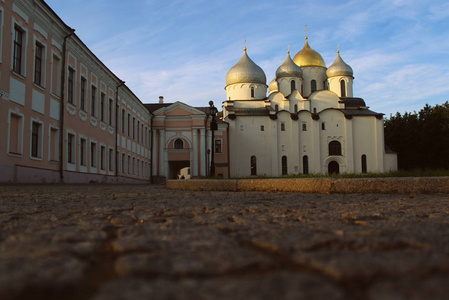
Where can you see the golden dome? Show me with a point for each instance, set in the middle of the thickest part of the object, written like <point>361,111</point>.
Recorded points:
<point>273,86</point>
<point>339,68</point>
<point>245,71</point>
<point>288,68</point>
<point>308,57</point>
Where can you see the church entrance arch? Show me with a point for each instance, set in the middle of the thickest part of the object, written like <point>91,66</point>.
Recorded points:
<point>333,167</point>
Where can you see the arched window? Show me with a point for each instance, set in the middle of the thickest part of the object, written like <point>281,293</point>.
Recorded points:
<point>334,148</point>
<point>293,85</point>
<point>305,164</point>
<point>304,127</point>
<point>179,144</point>
<point>252,92</point>
<point>314,110</point>
<point>284,165</point>
<point>296,108</point>
<point>343,88</point>
<point>276,108</point>
<point>364,165</point>
<point>333,167</point>
<point>253,165</point>
<point>282,126</point>
<point>312,86</point>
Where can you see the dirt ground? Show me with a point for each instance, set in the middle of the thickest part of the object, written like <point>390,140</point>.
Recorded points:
<point>147,242</point>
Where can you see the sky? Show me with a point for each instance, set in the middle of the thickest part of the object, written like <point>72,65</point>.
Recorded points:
<point>183,49</point>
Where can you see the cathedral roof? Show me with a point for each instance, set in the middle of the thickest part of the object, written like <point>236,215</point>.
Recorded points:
<point>308,57</point>
<point>288,68</point>
<point>245,71</point>
<point>339,68</point>
<point>273,86</point>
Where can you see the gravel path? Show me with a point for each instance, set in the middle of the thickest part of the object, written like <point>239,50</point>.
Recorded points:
<point>146,242</point>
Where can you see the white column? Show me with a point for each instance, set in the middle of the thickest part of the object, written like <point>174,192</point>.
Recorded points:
<point>154,160</point>
<point>194,163</point>
<point>162,152</point>
<point>202,152</point>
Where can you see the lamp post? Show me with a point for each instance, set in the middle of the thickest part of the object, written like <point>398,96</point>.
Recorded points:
<point>213,126</point>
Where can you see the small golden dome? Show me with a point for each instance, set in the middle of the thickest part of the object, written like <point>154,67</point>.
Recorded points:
<point>245,71</point>
<point>288,68</point>
<point>273,86</point>
<point>308,57</point>
<point>339,68</point>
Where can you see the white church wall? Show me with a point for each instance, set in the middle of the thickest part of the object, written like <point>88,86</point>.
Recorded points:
<point>312,73</point>
<point>242,91</point>
<point>334,85</point>
<point>323,99</point>
<point>332,129</point>
<point>366,143</point>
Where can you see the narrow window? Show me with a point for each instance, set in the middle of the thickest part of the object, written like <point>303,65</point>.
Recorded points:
<point>138,131</point>
<point>364,164</point>
<point>313,86</point>
<point>123,163</point>
<point>54,144</point>
<point>276,108</point>
<point>38,64</point>
<point>179,144</point>
<point>102,106</point>
<point>304,127</point>
<point>102,157</point>
<point>323,126</point>
<point>334,148</point>
<point>134,127</point>
<point>83,152</point>
<point>282,126</point>
<point>111,111</point>
<point>284,165</point>
<point>305,164</point>
<point>129,125</point>
<point>262,128</point>
<point>93,155</point>
<point>217,146</point>
<point>252,92</point>
<point>123,121</point>
<point>93,103</point>
<point>56,76</point>
<point>296,108</point>
<point>129,164</point>
<point>111,159</point>
<point>15,134</point>
<point>70,148</point>
<point>343,88</point>
<point>70,85</point>
<point>253,165</point>
<point>83,94</point>
<point>292,85</point>
<point>18,50</point>
<point>134,166</point>
<point>314,110</point>
<point>36,140</point>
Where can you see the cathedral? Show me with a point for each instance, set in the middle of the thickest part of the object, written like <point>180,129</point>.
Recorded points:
<point>310,122</point>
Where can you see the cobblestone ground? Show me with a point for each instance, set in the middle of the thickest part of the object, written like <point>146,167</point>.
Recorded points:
<point>146,242</point>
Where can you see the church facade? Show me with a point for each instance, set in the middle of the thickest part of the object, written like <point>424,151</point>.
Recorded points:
<point>308,122</point>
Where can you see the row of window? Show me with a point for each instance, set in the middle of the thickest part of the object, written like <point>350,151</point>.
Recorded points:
<point>179,144</point>
<point>304,127</point>
<point>134,128</point>
<point>305,165</point>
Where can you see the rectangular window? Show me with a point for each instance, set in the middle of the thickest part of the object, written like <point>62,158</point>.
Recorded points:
<point>38,64</point>
<point>70,86</point>
<point>262,128</point>
<point>15,134</point>
<point>83,94</point>
<point>123,163</point>
<point>123,121</point>
<point>56,76</point>
<point>129,125</point>
<point>70,148</point>
<point>54,144</point>
<point>36,139</point>
<point>134,166</point>
<point>138,131</point>
<point>323,126</point>
<point>102,157</point>
<point>129,164</point>
<point>83,152</point>
<point>111,159</point>
<point>134,127</point>
<point>93,103</point>
<point>111,111</point>
<point>93,155</point>
<point>18,50</point>
<point>102,106</point>
<point>217,146</point>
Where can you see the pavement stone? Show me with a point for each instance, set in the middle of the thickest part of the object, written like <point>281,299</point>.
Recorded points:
<point>148,242</point>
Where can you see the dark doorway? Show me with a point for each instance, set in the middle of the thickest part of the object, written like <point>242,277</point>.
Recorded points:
<point>333,168</point>
<point>175,167</point>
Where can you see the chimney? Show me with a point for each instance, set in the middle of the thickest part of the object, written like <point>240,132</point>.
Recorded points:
<point>161,99</point>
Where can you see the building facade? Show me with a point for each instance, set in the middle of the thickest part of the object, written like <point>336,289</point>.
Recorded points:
<point>68,117</point>
<point>310,122</point>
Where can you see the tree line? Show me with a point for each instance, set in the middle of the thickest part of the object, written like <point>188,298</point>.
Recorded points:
<point>421,139</point>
